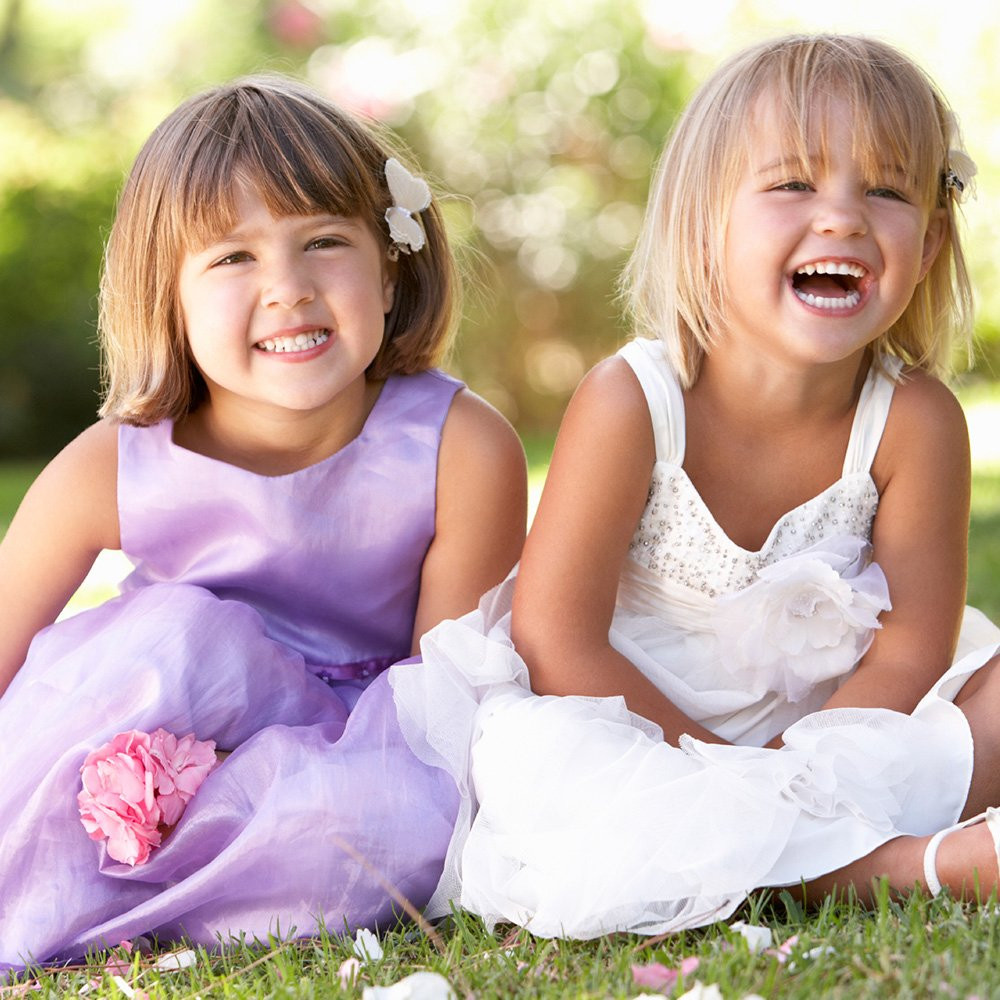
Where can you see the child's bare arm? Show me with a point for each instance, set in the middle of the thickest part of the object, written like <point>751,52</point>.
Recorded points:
<point>481,512</point>
<point>565,596</point>
<point>920,540</point>
<point>67,516</point>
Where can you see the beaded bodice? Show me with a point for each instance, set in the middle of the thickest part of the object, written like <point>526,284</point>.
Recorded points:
<point>679,540</point>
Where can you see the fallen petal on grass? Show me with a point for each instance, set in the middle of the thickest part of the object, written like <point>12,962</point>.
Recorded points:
<point>655,975</point>
<point>702,992</point>
<point>757,938</point>
<point>124,987</point>
<point>349,971</point>
<point>419,986</point>
<point>176,960</point>
<point>823,949</point>
<point>658,976</point>
<point>366,946</point>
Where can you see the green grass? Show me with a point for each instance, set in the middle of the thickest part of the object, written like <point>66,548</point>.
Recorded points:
<point>914,948</point>
<point>984,543</point>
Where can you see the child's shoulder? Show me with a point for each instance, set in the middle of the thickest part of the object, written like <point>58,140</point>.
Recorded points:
<point>923,406</point>
<point>86,473</point>
<point>925,429</point>
<point>92,453</point>
<point>616,390</point>
<point>475,431</point>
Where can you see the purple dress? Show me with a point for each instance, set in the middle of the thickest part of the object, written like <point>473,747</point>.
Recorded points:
<point>262,614</point>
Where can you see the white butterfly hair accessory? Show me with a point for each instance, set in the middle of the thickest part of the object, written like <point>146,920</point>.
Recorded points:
<point>410,196</point>
<point>959,175</point>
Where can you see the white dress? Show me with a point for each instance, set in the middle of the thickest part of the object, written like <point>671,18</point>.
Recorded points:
<point>578,820</point>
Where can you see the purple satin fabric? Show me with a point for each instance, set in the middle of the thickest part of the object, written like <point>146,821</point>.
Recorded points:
<point>261,615</point>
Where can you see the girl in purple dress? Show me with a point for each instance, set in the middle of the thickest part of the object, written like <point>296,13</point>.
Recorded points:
<point>302,495</point>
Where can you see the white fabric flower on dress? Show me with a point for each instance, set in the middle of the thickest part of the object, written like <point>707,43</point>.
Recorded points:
<point>807,618</point>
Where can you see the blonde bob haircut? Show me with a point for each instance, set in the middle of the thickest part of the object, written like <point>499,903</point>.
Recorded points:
<point>674,283</point>
<point>303,156</point>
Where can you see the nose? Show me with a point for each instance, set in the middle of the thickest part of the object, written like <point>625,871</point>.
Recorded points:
<point>286,285</point>
<point>841,213</point>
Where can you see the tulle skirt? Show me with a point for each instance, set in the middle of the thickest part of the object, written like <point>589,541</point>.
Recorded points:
<point>321,815</point>
<point>577,820</point>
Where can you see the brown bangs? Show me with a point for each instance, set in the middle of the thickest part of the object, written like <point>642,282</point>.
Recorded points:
<point>298,159</point>
<point>303,156</point>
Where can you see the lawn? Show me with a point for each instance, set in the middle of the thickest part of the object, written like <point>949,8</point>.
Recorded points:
<point>918,948</point>
<point>914,948</point>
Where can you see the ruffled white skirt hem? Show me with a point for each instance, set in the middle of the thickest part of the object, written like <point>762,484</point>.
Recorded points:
<point>577,820</point>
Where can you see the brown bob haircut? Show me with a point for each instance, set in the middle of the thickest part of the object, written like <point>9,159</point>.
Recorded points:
<point>303,156</point>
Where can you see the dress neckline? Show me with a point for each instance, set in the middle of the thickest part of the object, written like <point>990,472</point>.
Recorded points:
<point>679,471</point>
<point>370,424</point>
<point>648,360</point>
<point>861,406</point>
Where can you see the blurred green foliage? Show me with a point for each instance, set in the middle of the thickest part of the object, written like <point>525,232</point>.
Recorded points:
<point>538,122</point>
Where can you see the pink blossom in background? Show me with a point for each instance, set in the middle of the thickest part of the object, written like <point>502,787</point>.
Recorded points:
<point>138,783</point>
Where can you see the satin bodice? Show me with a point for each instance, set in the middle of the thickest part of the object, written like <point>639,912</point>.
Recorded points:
<point>330,555</point>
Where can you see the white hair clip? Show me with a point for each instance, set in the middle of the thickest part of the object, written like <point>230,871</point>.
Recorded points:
<point>410,196</point>
<point>960,169</point>
<point>960,175</point>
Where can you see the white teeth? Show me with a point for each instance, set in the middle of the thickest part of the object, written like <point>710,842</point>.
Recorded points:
<point>833,267</point>
<point>300,342</point>
<point>848,301</point>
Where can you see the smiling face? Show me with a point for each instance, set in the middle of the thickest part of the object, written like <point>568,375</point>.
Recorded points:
<point>285,314</point>
<point>822,250</point>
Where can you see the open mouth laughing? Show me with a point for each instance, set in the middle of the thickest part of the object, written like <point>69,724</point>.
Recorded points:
<point>830,284</point>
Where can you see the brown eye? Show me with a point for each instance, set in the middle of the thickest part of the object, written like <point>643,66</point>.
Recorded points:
<point>237,257</point>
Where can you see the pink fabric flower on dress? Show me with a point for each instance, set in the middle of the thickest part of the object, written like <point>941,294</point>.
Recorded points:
<point>180,766</point>
<point>138,784</point>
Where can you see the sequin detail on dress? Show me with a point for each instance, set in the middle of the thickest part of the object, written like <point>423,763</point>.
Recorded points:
<point>679,540</point>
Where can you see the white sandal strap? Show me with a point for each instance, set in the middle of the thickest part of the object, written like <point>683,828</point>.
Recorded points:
<point>930,861</point>
<point>992,818</point>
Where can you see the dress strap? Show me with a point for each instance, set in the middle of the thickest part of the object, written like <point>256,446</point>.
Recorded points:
<point>870,416</point>
<point>648,359</point>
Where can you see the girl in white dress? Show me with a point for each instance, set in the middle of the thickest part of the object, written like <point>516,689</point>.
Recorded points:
<point>734,655</point>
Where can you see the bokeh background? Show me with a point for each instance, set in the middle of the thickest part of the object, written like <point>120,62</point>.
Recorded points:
<point>542,120</point>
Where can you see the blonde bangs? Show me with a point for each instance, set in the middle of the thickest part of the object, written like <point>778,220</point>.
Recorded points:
<point>674,283</point>
<point>897,120</point>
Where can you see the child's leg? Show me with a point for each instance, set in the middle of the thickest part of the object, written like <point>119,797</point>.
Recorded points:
<point>979,699</point>
<point>966,861</point>
<point>966,865</point>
